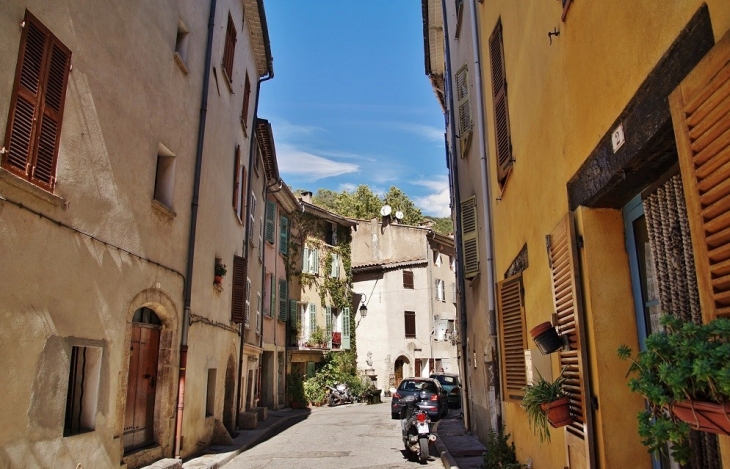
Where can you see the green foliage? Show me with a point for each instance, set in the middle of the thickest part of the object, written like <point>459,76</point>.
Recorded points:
<point>686,361</point>
<point>500,453</point>
<point>444,226</point>
<point>542,392</point>
<point>398,200</point>
<point>337,367</point>
<point>318,337</point>
<point>295,389</point>
<point>220,270</point>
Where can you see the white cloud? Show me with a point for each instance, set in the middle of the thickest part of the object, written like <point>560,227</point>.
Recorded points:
<point>437,203</point>
<point>433,134</point>
<point>286,131</point>
<point>310,167</point>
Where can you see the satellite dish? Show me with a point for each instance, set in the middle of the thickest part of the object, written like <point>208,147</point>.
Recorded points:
<point>385,211</point>
<point>399,215</point>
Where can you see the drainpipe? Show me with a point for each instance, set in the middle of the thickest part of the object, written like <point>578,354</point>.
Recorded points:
<point>191,241</point>
<point>451,152</point>
<point>487,217</point>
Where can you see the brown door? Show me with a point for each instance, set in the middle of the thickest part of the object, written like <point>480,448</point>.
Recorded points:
<point>140,409</point>
<point>398,372</point>
<point>417,371</point>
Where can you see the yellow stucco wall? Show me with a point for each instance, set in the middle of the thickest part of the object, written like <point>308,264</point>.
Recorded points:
<point>563,98</point>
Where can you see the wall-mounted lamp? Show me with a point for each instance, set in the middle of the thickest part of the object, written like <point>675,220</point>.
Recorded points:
<point>363,307</point>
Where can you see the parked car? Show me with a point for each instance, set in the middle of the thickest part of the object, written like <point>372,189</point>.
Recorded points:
<point>452,385</point>
<point>432,397</point>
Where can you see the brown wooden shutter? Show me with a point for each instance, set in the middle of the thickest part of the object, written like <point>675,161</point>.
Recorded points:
<point>562,257</point>
<point>229,49</point>
<point>236,178</point>
<point>238,300</point>
<point>501,112</point>
<point>469,237</point>
<point>408,279</point>
<point>410,318</point>
<point>37,103</point>
<point>512,336</point>
<point>700,108</point>
<point>246,99</point>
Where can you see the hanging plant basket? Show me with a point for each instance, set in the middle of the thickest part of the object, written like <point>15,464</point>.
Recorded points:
<point>558,412</point>
<point>704,416</point>
<point>547,338</point>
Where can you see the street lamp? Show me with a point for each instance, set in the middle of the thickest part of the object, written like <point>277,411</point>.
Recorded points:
<point>363,307</point>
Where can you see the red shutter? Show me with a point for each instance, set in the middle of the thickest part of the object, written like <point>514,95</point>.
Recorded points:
<point>36,108</point>
<point>238,300</point>
<point>501,112</point>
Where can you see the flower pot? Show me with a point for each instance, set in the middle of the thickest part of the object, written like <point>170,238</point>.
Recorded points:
<point>704,416</point>
<point>218,279</point>
<point>546,338</point>
<point>558,412</point>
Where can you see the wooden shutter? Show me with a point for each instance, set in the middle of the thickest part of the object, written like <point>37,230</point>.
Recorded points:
<point>293,313</point>
<point>229,49</point>
<point>236,178</point>
<point>328,323</point>
<point>345,329</point>
<point>246,99</point>
<point>335,270</point>
<point>305,259</point>
<point>408,279</point>
<point>502,136</point>
<point>417,368</point>
<point>270,216</point>
<point>410,324</point>
<point>462,97</point>
<point>283,299</point>
<point>562,257</point>
<point>247,308</point>
<point>37,104</point>
<point>314,265</point>
<point>513,340</point>
<point>238,296</point>
<point>469,237</point>
<point>700,108</point>
<point>284,235</point>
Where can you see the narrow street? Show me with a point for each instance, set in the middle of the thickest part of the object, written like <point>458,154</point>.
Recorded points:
<point>351,436</point>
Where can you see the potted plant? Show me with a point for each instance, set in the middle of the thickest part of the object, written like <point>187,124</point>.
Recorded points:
<point>546,403</point>
<point>220,272</point>
<point>547,338</point>
<point>318,338</point>
<point>684,374</point>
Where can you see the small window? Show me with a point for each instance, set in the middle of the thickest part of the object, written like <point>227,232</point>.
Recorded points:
<point>331,235</point>
<point>437,258</point>
<point>210,393</point>
<point>165,178</point>
<point>238,173</point>
<point>259,304</point>
<point>261,240</point>
<point>310,260</point>
<point>247,310</point>
<point>246,99</point>
<point>410,323</point>
<point>229,49</point>
<point>408,279</point>
<point>335,271</point>
<point>251,218</point>
<point>181,46</point>
<point>440,293</point>
<point>83,390</point>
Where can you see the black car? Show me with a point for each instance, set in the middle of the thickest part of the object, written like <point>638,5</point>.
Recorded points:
<point>432,397</point>
<point>451,384</point>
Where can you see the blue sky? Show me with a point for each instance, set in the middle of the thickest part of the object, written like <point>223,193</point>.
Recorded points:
<point>350,102</point>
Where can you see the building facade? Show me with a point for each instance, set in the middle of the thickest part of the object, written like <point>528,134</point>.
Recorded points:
<point>131,206</point>
<point>601,125</point>
<point>403,277</point>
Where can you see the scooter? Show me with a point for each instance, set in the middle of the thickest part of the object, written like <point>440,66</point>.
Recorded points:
<point>339,394</point>
<point>416,429</point>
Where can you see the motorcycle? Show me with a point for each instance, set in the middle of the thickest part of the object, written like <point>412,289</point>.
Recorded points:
<point>416,429</point>
<point>339,394</point>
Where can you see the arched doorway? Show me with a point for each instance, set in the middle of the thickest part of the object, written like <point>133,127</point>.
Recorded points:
<point>398,369</point>
<point>142,381</point>
<point>229,399</point>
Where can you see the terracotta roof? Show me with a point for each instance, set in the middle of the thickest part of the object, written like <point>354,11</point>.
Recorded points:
<point>326,214</point>
<point>387,265</point>
<point>256,16</point>
<point>265,139</point>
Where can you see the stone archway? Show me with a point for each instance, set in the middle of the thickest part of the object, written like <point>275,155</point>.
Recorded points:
<point>398,371</point>
<point>229,398</point>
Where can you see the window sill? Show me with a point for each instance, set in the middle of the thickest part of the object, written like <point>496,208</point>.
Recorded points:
<point>181,63</point>
<point>164,209</point>
<point>31,188</point>
<point>227,79</point>
<point>244,126</point>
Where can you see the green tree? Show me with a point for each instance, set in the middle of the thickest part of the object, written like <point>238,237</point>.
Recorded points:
<point>443,225</point>
<point>399,201</point>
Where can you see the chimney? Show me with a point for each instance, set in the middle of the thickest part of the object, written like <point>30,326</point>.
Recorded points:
<point>307,196</point>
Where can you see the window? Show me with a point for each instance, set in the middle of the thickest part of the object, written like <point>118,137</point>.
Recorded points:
<point>310,260</point>
<point>312,319</point>
<point>440,292</point>
<point>511,320</point>
<point>259,304</point>
<point>251,217</point>
<point>410,318</point>
<point>261,241</point>
<point>408,279</point>
<point>36,105</point>
<point>181,46</point>
<point>501,111</point>
<point>210,393</point>
<point>246,99</point>
<point>452,263</point>
<point>284,235</point>
<point>238,295</point>
<point>165,179</point>
<point>83,390</point>
<point>437,258</point>
<point>270,217</point>
<point>283,300</point>
<point>331,235</point>
<point>247,311</point>
<point>335,271</point>
<point>239,183</point>
<point>229,49</point>
<point>464,109</point>
<point>469,240</point>
<point>256,159</point>
<point>453,292</point>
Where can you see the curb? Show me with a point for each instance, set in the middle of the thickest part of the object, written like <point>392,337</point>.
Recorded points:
<point>446,459</point>
<point>212,462</point>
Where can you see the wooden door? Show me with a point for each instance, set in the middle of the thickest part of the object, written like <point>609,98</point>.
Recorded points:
<point>563,258</point>
<point>398,372</point>
<point>417,370</point>
<point>140,407</point>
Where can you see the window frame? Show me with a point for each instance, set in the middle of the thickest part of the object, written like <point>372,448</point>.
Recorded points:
<point>408,280</point>
<point>410,316</point>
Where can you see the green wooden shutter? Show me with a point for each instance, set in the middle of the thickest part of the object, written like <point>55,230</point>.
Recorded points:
<point>312,318</point>
<point>315,261</point>
<point>270,215</point>
<point>345,329</point>
<point>469,237</point>
<point>328,324</point>
<point>282,299</point>
<point>272,291</point>
<point>335,270</point>
<point>305,259</point>
<point>293,314</point>
<point>284,235</point>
